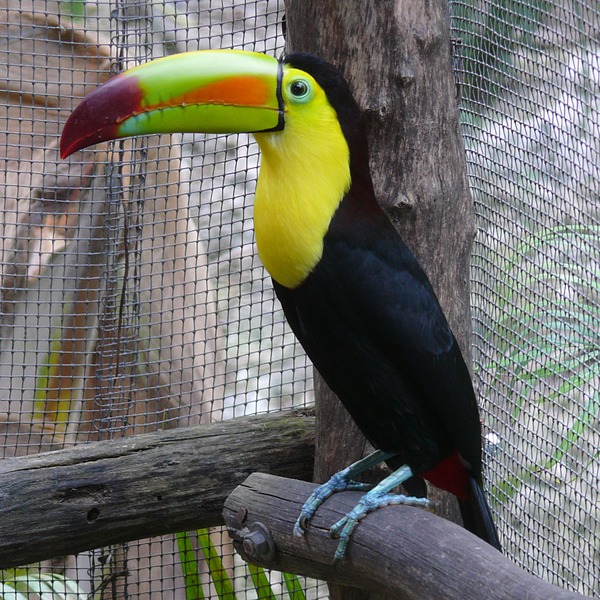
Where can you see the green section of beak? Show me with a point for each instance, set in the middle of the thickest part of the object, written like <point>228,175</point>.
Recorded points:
<point>223,91</point>
<point>209,91</point>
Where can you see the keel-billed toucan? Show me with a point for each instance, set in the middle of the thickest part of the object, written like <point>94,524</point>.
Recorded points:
<point>353,293</point>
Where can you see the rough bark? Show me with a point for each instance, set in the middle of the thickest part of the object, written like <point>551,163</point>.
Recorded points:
<point>403,552</point>
<point>116,491</point>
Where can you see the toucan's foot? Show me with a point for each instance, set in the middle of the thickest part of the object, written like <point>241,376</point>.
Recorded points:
<point>371,501</point>
<point>342,481</point>
<point>376,498</point>
<point>338,483</point>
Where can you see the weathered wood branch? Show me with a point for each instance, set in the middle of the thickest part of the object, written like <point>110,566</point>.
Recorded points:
<point>73,500</point>
<point>405,552</point>
<point>93,495</point>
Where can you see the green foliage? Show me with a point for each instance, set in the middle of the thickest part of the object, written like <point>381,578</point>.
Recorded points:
<point>189,567</point>
<point>261,583</point>
<point>218,574</point>
<point>52,403</point>
<point>547,345</point>
<point>219,578</point>
<point>73,8</point>
<point>294,589</point>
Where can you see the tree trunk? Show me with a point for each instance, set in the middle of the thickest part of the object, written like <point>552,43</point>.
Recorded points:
<point>397,58</point>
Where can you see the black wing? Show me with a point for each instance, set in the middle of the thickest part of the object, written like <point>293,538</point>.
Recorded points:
<point>373,327</point>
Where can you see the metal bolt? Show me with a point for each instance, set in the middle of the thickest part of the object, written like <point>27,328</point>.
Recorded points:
<point>258,543</point>
<point>255,544</point>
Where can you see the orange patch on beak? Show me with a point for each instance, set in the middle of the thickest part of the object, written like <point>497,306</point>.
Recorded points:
<point>235,91</point>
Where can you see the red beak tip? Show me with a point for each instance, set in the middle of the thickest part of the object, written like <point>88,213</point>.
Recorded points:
<point>67,148</point>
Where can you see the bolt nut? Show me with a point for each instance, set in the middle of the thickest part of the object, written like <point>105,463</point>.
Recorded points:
<point>255,544</point>
<point>258,543</point>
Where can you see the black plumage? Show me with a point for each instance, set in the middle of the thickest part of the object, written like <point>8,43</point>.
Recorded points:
<point>370,321</point>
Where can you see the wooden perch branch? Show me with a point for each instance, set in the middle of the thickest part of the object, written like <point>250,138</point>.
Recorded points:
<point>402,551</point>
<point>92,495</point>
<point>64,502</point>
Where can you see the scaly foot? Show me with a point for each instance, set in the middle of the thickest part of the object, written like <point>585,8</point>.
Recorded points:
<point>339,482</point>
<point>376,498</point>
<point>371,501</point>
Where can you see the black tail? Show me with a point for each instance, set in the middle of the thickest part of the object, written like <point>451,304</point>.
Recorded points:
<point>477,516</point>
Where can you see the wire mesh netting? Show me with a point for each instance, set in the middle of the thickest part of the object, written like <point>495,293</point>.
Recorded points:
<point>530,75</point>
<point>132,298</point>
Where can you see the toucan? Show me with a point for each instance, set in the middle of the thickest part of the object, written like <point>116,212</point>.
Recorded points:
<point>353,293</point>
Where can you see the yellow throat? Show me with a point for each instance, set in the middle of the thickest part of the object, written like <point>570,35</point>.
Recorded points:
<point>304,175</point>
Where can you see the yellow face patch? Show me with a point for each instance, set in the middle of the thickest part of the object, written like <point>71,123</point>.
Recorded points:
<point>304,175</point>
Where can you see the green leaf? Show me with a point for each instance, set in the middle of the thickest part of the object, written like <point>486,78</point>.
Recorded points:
<point>32,584</point>
<point>73,8</point>
<point>294,587</point>
<point>189,567</point>
<point>7,592</point>
<point>578,429</point>
<point>218,573</point>
<point>261,583</point>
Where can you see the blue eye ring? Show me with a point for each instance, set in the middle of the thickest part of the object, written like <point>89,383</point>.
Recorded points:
<point>300,90</point>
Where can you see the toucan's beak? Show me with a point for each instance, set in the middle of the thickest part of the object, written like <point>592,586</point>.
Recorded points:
<point>208,91</point>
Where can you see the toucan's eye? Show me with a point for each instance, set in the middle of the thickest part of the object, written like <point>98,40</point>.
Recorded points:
<point>300,90</point>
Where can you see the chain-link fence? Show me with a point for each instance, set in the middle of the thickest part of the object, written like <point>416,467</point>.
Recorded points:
<point>132,298</point>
